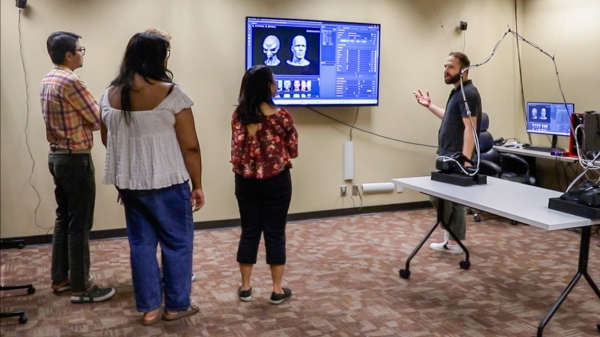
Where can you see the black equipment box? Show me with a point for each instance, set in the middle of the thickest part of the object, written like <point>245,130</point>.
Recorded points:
<point>573,207</point>
<point>459,178</point>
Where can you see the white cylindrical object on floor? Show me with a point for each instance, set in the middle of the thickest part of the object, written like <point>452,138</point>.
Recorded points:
<point>378,188</point>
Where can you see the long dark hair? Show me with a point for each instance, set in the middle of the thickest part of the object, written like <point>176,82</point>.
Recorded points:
<point>255,90</point>
<point>145,55</point>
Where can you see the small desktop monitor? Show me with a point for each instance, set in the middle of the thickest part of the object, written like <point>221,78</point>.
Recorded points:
<point>553,119</point>
<point>317,62</point>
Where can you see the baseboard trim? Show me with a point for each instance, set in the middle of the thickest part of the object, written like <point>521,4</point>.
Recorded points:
<point>231,223</point>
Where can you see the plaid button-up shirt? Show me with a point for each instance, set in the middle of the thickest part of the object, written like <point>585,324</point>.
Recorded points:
<point>71,113</point>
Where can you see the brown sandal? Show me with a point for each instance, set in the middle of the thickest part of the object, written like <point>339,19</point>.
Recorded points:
<point>61,287</point>
<point>158,317</point>
<point>171,316</point>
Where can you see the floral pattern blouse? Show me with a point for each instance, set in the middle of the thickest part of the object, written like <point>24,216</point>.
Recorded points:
<point>269,151</point>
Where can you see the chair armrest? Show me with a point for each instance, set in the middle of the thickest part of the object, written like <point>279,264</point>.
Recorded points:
<point>489,168</point>
<point>513,163</point>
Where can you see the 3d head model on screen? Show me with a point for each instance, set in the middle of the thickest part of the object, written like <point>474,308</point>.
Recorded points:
<point>534,113</point>
<point>298,51</point>
<point>543,114</point>
<point>296,85</point>
<point>287,85</point>
<point>270,49</point>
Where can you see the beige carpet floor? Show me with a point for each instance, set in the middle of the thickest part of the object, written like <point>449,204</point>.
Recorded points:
<point>344,275</point>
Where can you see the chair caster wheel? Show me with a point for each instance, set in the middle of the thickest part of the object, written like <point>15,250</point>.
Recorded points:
<point>22,319</point>
<point>513,222</point>
<point>404,273</point>
<point>464,264</point>
<point>30,290</point>
<point>20,245</point>
<point>477,219</point>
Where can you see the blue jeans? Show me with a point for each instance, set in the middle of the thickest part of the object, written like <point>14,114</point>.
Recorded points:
<point>160,216</point>
<point>75,194</point>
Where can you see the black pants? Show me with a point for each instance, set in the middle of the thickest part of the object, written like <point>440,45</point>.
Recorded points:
<point>263,206</point>
<point>75,194</point>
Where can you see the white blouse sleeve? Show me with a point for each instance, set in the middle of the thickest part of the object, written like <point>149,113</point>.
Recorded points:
<point>179,101</point>
<point>103,102</point>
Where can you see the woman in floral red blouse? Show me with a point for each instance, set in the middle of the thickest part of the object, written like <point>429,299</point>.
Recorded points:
<point>263,142</point>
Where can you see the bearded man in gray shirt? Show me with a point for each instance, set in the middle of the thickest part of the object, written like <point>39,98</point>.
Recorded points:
<point>455,136</point>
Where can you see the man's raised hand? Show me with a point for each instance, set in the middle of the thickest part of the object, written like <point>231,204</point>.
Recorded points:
<point>424,100</point>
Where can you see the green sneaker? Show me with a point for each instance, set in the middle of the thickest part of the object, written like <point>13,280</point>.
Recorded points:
<point>94,295</point>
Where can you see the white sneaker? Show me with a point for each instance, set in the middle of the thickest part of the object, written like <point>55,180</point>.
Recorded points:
<point>438,246</point>
<point>447,248</point>
<point>446,236</point>
<point>193,277</point>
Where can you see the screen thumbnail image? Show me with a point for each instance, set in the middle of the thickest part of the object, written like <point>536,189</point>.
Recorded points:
<point>287,85</point>
<point>287,50</point>
<point>539,114</point>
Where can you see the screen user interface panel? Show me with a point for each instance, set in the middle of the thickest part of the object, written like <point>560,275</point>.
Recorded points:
<point>549,118</point>
<point>317,62</point>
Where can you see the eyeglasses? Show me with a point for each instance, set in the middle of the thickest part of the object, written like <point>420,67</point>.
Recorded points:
<point>168,53</point>
<point>81,50</point>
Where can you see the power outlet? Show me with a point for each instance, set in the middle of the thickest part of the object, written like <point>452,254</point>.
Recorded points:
<point>354,190</point>
<point>343,190</point>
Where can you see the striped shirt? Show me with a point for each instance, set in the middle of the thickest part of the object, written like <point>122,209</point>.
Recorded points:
<point>71,113</point>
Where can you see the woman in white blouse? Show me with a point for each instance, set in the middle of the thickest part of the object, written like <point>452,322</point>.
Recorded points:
<point>152,153</point>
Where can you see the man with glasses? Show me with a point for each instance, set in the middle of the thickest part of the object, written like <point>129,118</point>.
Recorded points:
<point>71,114</point>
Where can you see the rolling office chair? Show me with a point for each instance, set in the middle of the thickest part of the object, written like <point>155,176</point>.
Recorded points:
<point>500,165</point>
<point>30,289</point>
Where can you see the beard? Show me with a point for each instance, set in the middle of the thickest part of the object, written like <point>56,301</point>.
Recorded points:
<point>452,80</point>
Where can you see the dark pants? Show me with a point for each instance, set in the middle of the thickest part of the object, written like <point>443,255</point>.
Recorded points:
<point>160,216</point>
<point>454,217</point>
<point>75,194</point>
<point>263,206</point>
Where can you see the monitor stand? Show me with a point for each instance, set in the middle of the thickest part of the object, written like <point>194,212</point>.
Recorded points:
<point>554,142</point>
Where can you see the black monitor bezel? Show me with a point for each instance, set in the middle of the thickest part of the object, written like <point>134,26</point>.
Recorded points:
<point>545,133</point>
<point>321,21</point>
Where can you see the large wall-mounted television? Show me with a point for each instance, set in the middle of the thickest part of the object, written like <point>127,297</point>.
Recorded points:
<point>317,62</point>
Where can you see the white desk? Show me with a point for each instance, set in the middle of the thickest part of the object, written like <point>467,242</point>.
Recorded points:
<point>523,203</point>
<point>520,202</point>
<point>536,154</point>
